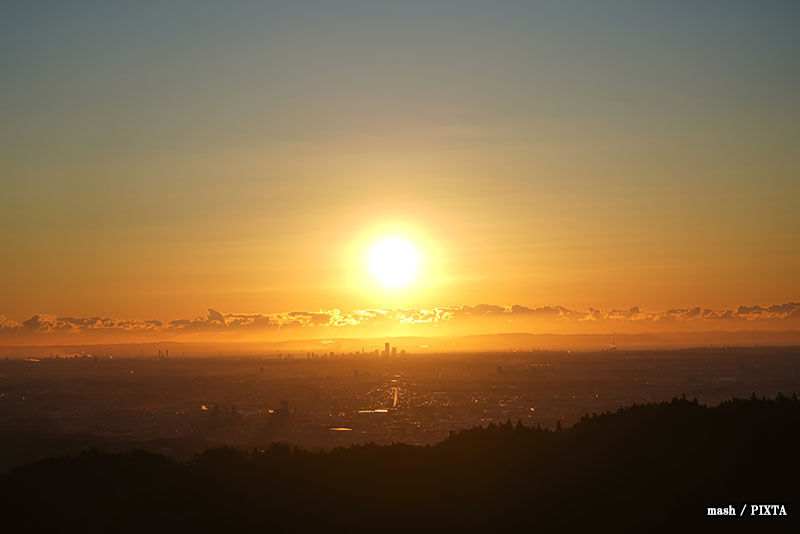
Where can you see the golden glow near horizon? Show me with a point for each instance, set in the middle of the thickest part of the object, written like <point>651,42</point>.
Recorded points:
<point>393,261</point>
<point>532,155</point>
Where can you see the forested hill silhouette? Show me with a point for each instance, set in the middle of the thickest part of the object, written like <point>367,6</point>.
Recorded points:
<point>654,467</point>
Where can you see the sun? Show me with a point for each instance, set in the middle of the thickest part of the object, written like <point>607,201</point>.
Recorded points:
<point>393,261</point>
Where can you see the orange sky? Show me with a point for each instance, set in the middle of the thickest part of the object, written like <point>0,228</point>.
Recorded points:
<point>160,162</point>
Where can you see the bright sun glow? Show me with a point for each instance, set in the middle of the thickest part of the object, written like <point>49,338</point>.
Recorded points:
<point>393,261</point>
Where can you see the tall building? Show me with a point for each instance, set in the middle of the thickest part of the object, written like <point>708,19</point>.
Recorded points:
<point>386,350</point>
<point>394,352</point>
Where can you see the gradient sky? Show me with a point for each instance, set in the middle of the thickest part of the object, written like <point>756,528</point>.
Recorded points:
<point>161,158</point>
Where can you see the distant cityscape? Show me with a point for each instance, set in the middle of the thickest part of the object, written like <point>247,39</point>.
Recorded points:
<point>330,399</point>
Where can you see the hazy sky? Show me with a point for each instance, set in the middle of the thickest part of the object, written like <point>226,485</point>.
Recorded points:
<point>160,158</point>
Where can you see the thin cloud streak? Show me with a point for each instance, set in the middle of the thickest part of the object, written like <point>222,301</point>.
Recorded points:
<point>482,318</point>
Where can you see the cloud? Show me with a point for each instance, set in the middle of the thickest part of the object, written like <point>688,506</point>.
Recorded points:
<point>8,324</point>
<point>482,318</point>
<point>545,312</point>
<point>215,317</point>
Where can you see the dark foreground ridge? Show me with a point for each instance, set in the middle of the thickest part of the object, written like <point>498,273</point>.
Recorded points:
<point>655,466</point>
